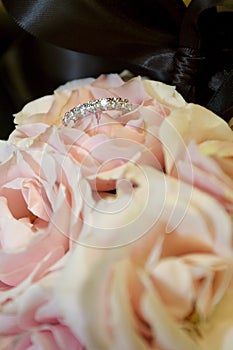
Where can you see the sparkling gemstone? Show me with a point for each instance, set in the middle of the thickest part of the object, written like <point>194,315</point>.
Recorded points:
<point>76,109</point>
<point>67,117</point>
<point>91,108</point>
<point>70,114</point>
<point>74,115</point>
<point>81,110</point>
<point>65,120</point>
<point>96,104</point>
<point>104,104</point>
<point>113,103</point>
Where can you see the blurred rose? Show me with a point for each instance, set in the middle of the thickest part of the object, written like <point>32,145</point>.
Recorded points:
<point>30,317</point>
<point>112,140</point>
<point>198,147</point>
<point>40,209</point>
<point>160,291</point>
<point>219,327</point>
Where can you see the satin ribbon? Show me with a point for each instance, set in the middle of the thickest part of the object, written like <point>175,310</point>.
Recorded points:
<point>159,38</point>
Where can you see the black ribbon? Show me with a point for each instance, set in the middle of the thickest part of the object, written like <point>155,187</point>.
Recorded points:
<point>122,28</point>
<point>196,54</point>
<point>162,39</point>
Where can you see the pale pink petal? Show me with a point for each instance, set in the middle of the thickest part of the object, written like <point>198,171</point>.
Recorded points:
<point>214,274</point>
<point>132,214</point>
<point>8,324</point>
<point>8,239</point>
<point>178,296</point>
<point>188,123</point>
<point>108,81</point>
<point>68,295</point>
<point>133,90</point>
<point>6,342</point>
<point>24,134</point>
<point>167,333</point>
<point>210,174</point>
<point>6,150</point>
<point>137,209</point>
<point>122,313</point>
<point>35,198</point>
<point>164,93</point>
<point>227,339</point>
<point>64,338</point>
<point>37,107</point>
<point>217,331</point>
<point>217,148</point>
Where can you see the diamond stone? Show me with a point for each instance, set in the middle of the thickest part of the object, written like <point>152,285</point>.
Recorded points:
<point>104,104</point>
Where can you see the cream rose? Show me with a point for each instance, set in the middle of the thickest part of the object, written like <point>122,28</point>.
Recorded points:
<point>198,148</point>
<point>160,291</point>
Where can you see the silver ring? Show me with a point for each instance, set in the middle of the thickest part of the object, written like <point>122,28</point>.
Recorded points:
<point>96,107</point>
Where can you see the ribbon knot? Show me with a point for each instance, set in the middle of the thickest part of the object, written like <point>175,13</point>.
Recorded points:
<point>187,65</point>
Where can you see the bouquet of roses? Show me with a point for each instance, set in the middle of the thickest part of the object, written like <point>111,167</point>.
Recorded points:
<point>116,225</point>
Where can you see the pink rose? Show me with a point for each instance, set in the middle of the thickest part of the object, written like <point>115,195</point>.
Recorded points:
<point>198,148</point>
<point>37,222</point>
<point>160,291</point>
<point>112,141</point>
<point>30,317</point>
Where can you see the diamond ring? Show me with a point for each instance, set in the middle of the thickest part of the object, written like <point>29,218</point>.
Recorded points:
<point>96,107</point>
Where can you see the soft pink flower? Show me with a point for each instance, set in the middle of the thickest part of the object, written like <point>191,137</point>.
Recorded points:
<point>30,318</point>
<point>109,142</point>
<point>39,207</point>
<point>198,148</point>
<point>159,291</point>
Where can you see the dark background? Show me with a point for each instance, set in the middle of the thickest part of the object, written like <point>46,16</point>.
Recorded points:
<point>155,43</point>
<point>30,68</point>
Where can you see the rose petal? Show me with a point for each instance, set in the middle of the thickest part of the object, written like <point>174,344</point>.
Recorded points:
<point>164,93</point>
<point>167,333</point>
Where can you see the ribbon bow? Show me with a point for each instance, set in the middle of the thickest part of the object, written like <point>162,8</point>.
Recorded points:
<point>191,47</point>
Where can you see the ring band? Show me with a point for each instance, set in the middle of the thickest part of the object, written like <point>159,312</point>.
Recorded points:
<point>96,106</point>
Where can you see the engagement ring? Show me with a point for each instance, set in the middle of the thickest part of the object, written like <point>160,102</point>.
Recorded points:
<point>96,107</point>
